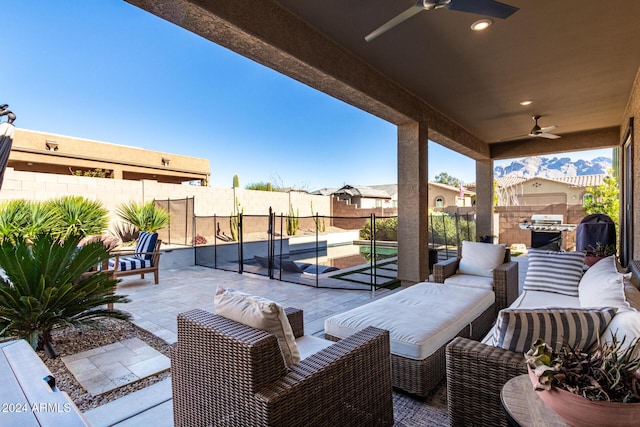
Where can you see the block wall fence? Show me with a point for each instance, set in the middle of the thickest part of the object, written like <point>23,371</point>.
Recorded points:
<point>113,192</point>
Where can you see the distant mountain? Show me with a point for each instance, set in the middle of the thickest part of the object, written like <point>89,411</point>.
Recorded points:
<point>555,167</point>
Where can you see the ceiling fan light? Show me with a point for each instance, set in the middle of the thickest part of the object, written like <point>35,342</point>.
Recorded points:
<point>526,102</point>
<point>481,24</point>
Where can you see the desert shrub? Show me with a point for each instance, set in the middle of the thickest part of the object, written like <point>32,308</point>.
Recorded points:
<point>77,216</point>
<point>386,230</point>
<point>445,228</point>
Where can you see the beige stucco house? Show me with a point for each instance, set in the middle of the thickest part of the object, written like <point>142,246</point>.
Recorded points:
<point>569,190</point>
<point>34,151</point>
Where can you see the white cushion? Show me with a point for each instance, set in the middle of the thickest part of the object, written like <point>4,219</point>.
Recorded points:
<point>259,313</point>
<point>420,319</point>
<point>632,295</point>
<point>624,325</point>
<point>309,345</point>
<point>551,271</point>
<point>479,259</point>
<point>518,329</point>
<point>603,286</point>
<point>481,282</point>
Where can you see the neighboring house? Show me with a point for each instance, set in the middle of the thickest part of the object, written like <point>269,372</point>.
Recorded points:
<point>443,196</point>
<point>363,197</point>
<point>386,196</point>
<point>570,190</point>
<point>63,155</point>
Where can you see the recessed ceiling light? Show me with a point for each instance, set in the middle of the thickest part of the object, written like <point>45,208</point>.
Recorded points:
<point>482,24</point>
<point>527,102</point>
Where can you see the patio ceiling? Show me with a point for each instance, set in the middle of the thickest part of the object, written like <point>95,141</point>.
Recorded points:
<point>576,60</point>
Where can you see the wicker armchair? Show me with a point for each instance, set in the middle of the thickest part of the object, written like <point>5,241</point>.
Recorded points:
<point>226,373</point>
<point>476,373</point>
<point>505,278</point>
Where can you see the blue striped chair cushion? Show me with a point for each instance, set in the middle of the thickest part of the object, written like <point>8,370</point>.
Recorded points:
<point>130,263</point>
<point>558,272</point>
<point>518,329</point>
<point>146,243</point>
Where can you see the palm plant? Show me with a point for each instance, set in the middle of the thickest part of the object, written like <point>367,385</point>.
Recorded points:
<point>77,215</point>
<point>13,218</point>
<point>47,286</point>
<point>146,216</point>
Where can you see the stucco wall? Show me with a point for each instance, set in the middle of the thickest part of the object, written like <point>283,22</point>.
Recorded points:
<point>113,192</point>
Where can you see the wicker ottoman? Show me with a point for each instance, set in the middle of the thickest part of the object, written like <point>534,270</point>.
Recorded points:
<point>421,320</point>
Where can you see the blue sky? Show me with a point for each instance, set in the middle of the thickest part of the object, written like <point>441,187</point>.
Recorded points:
<point>108,71</point>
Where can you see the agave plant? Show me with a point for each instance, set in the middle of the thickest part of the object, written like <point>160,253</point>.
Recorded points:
<point>146,216</point>
<point>47,286</point>
<point>77,215</point>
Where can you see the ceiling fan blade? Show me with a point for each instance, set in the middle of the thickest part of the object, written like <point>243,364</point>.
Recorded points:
<point>548,129</point>
<point>490,8</point>
<point>417,8</point>
<point>547,135</point>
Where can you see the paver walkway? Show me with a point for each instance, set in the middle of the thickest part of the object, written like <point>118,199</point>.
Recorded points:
<point>108,367</point>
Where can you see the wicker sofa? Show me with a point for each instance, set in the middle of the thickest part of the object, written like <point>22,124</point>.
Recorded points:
<point>477,370</point>
<point>227,373</point>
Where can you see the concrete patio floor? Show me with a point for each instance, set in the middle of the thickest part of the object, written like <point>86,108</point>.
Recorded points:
<point>154,308</point>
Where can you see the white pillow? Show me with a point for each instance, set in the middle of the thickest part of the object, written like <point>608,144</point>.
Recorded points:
<point>625,325</point>
<point>259,313</point>
<point>551,271</point>
<point>603,286</point>
<point>479,259</point>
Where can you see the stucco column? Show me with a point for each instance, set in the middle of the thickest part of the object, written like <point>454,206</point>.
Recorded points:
<point>484,199</point>
<point>413,188</point>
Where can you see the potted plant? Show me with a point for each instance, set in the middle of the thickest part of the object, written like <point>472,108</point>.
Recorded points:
<point>598,252</point>
<point>589,388</point>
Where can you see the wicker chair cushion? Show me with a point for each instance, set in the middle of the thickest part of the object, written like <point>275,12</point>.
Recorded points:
<point>603,286</point>
<point>259,313</point>
<point>479,259</point>
<point>481,282</point>
<point>551,271</point>
<point>420,319</point>
<point>518,329</point>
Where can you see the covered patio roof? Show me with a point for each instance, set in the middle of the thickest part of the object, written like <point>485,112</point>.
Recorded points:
<point>437,79</point>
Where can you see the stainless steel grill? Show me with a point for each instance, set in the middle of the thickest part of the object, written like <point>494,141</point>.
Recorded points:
<point>546,231</point>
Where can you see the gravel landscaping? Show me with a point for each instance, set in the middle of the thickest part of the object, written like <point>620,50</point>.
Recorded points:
<point>74,340</point>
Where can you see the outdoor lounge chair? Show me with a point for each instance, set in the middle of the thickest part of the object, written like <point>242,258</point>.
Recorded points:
<point>503,280</point>
<point>144,259</point>
<point>227,373</point>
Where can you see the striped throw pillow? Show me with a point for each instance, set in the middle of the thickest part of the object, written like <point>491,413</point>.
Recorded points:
<point>551,271</point>
<point>518,329</point>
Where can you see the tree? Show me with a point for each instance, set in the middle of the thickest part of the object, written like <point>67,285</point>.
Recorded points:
<point>605,199</point>
<point>445,178</point>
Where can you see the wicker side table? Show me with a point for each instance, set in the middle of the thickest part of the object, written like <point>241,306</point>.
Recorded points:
<point>524,408</point>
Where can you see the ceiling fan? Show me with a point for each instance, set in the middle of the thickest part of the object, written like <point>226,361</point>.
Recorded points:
<point>481,7</point>
<point>537,131</point>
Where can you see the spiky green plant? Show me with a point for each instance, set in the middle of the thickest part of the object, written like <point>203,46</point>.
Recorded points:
<point>146,216</point>
<point>234,221</point>
<point>320,224</point>
<point>25,218</point>
<point>47,286</point>
<point>293,221</point>
<point>77,215</point>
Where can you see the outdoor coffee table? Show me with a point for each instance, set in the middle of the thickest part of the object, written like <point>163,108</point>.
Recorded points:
<point>524,408</point>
